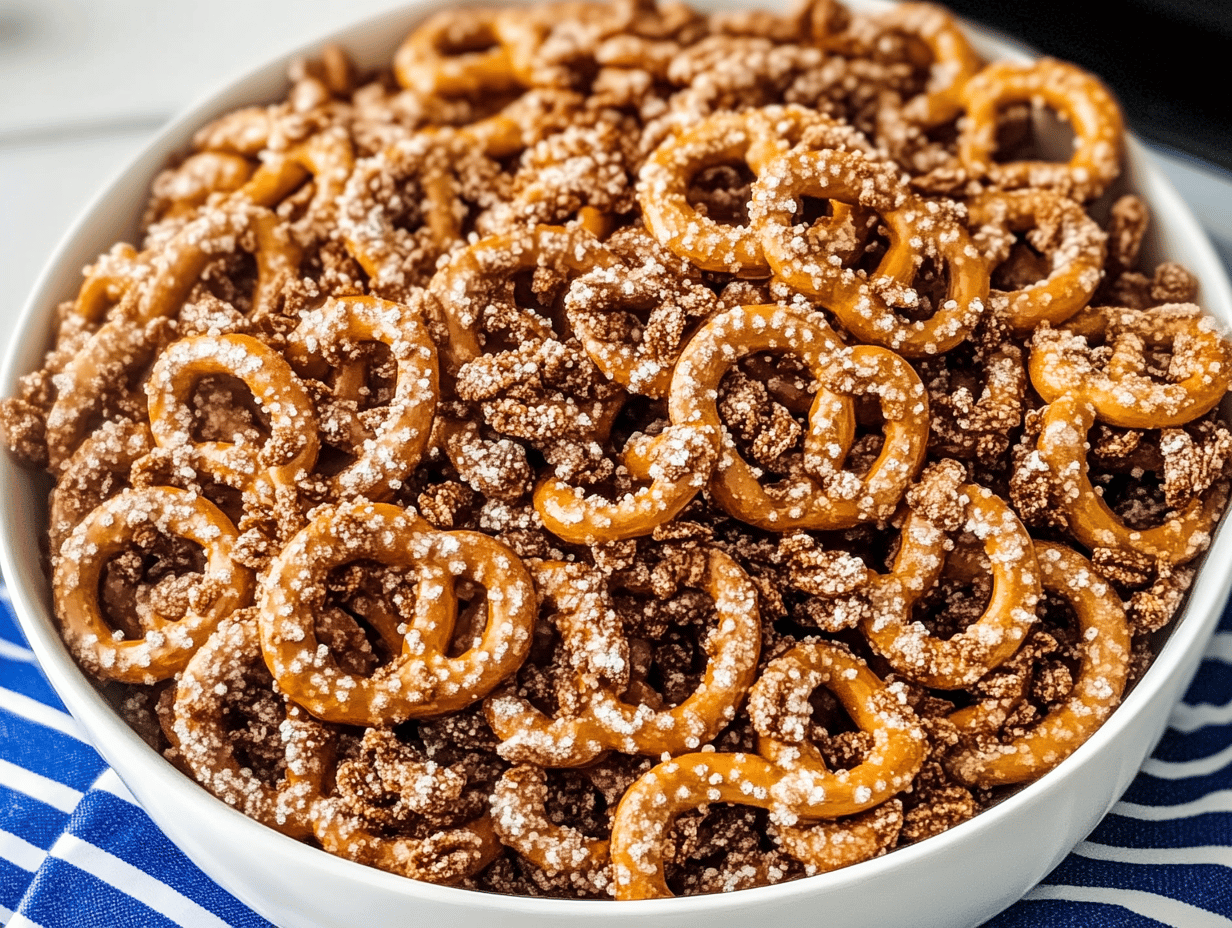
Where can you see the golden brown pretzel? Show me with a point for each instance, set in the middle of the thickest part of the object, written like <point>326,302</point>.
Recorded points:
<point>1103,639</point>
<point>822,497</point>
<point>422,681</point>
<point>1062,451</point>
<point>602,720</point>
<point>959,661</point>
<point>168,642</point>
<point>1120,385</point>
<point>867,304</point>
<point>1077,95</point>
<point>220,667</point>
<point>399,438</point>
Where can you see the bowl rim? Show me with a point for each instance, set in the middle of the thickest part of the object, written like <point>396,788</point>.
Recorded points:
<point>1190,628</point>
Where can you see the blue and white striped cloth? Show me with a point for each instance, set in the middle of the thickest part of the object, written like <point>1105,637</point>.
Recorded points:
<point>76,851</point>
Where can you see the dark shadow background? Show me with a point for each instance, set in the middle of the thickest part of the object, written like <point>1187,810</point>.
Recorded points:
<point>1169,61</point>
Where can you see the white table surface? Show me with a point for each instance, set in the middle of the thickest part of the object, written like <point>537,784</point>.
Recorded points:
<point>85,83</point>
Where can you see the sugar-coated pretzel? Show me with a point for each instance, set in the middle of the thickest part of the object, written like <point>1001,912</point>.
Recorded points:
<point>455,53</point>
<point>831,845</point>
<point>520,820</point>
<point>466,284</point>
<point>401,436</point>
<point>954,60</point>
<point>1117,381</point>
<point>446,856</point>
<point>796,789</point>
<point>291,450</point>
<point>168,643</point>
<point>1103,639</point>
<point>121,344</point>
<point>675,464</point>
<point>603,720</point>
<point>959,661</point>
<point>1062,451</point>
<point>326,156</point>
<point>1076,254</point>
<point>180,191</point>
<point>218,667</point>
<point>422,681</point>
<point>412,175</point>
<point>754,137</point>
<point>825,496</point>
<point>779,709</point>
<point>1076,95</point>
<point>916,228</point>
<point>97,470</point>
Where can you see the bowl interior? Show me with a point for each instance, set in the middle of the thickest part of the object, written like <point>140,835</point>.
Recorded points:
<point>114,216</point>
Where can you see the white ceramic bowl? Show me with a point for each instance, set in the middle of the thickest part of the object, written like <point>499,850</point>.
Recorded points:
<point>954,880</point>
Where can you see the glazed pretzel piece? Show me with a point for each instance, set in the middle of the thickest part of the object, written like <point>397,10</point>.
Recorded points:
<point>456,53</point>
<point>123,344</point>
<point>1075,95</point>
<point>1072,241</point>
<point>789,778</point>
<point>780,711</point>
<point>271,471</point>
<point>520,819</point>
<point>477,275</point>
<point>169,641</point>
<point>959,661</point>
<point>1117,379</point>
<point>918,231</point>
<point>600,718</point>
<point>1062,460</point>
<point>399,211</point>
<point>824,496</point>
<point>1103,639</point>
<point>674,465</point>
<point>326,156</point>
<point>389,806</point>
<point>755,138</point>
<point>326,337</point>
<point>422,681</point>
<point>222,668</point>
<point>605,305</point>
<point>954,61</point>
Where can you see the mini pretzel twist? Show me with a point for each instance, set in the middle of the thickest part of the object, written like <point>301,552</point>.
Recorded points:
<point>1075,248</point>
<point>121,345</point>
<point>754,137</point>
<point>520,818</point>
<point>675,464</point>
<point>602,720</point>
<point>825,496</point>
<point>917,230</point>
<point>455,53</point>
<point>168,642</point>
<point>273,469</point>
<point>789,778</point>
<point>1078,96</point>
<point>1062,456</point>
<point>468,282</point>
<point>1117,380</point>
<point>422,681</point>
<point>956,662</point>
<point>400,437</point>
<point>954,61</point>
<point>399,210</point>
<point>218,669</point>
<point>1103,640</point>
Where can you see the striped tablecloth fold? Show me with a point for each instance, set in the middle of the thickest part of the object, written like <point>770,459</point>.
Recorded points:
<point>76,851</point>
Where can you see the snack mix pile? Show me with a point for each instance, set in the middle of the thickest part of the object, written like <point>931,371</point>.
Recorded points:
<point>624,451</point>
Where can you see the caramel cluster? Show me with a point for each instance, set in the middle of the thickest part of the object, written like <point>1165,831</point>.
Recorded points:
<point>625,451</point>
